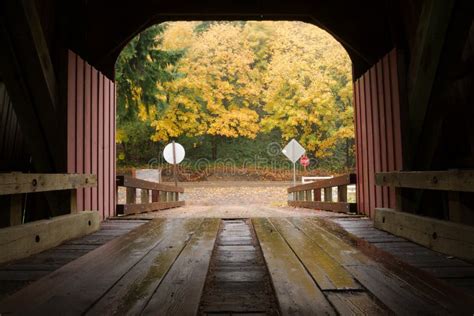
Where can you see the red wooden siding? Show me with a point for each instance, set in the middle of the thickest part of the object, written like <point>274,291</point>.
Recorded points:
<point>378,133</point>
<point>91,134</point>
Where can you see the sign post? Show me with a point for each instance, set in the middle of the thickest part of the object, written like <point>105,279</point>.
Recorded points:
<point>174,153</point>
<point>293,151</point>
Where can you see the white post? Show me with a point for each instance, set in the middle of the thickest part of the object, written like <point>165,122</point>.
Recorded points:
<point>174,166</point>
<point>294,174</point>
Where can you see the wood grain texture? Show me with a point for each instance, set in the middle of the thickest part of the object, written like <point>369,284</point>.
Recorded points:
<point>86,279</point>
<point>443,236</point>
<point>24,240</point>
<point>133,291</point>
<point>452,180</point>
<point>296,291</point>
<point>15,183</point>
<point>325,270</point>
<point>180,291</point>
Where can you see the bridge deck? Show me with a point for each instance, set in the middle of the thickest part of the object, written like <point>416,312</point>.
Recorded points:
<point>172,266</point>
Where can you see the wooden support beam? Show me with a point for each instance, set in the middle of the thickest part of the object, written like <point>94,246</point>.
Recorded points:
<point>442,103</point>
<point>319,184</point>
<point>127,209</point>
<point>453,180</point>
<point>129,182</point>
<point>27,70</point>
<point>24,240</point>
<point>443,236</point>
<point>16,183</point>
<point>339,207</point>
<point>16,209</point>
<point>430,38</point>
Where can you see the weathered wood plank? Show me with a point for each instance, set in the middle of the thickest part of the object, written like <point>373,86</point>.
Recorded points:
<point>181,289</point>
<point>15,183</point>
<point>296,291</point>
<point>446,237</point>
<point>402,293</point>
<point>130,295</point>
<point>85,280</point>
<point>399,296</point>
<point>330,243</point>
<point>356,303</point>
<point>340,207</point>
<point>325,270</point>
<point>127,209</point>
<point>130,182</point>
<point>452,180</point>
<point>24,240</point>
<point>320,184</point>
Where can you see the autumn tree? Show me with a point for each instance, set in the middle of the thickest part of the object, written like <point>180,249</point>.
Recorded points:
<point>226,80</point>
<point>220,92</point>
<point>139,68</point>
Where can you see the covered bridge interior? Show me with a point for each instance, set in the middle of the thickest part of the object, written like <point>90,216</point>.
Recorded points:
<point>413,71</point>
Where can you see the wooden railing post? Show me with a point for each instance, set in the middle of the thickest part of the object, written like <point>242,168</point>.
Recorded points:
<point>131,195</point>
<point>342,193</point>
<point>328,194</point>
<point>145,196</point>
<point>317,194</point>
<point>155,196</point>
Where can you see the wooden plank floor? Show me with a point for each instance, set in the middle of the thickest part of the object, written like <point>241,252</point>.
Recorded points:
<point>238,281</point>
<point>451,270</point>
<point>18,274</point>
<point>263,266</point>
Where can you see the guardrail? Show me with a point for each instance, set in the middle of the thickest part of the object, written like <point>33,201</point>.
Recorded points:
<point>309,195</point>
<point>21,240</point>
<point>451,236</point>
<point>162,196</point>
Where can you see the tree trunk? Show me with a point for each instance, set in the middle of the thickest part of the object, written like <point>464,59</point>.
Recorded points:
<point>214,148</point>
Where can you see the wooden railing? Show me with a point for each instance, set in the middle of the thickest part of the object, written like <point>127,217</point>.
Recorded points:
<point>309,195</point>
<point>162,196</point>
<point>446,236</point>
<point>21,240</point>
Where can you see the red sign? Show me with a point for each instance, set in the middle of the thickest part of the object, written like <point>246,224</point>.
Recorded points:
<point>304,161</point>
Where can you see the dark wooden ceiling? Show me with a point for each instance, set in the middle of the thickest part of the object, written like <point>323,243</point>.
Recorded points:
<point>99,29</point>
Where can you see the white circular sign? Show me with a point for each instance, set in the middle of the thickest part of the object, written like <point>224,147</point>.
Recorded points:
<point>168,153</point>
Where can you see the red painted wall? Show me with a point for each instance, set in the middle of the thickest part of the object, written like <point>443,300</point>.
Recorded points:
<point>378,134</point>
<point>91,134</point>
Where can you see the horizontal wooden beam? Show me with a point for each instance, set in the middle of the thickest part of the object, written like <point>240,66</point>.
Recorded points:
<point>127,209</point>
<point>25,240</point>
<point>443,236</point>
<point>326,183</point>
<point>16,183</point>
<point>129,182</point>
<point>339,207</point>
<point>453,180</point>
